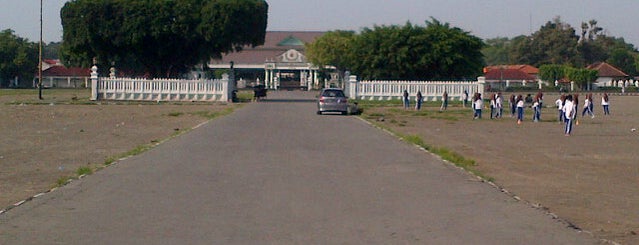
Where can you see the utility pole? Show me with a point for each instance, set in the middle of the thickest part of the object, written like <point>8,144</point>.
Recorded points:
<point>40,57</point>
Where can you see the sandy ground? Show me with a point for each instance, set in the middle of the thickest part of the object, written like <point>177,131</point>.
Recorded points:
<point>589,179</point>
<point>46,141</point>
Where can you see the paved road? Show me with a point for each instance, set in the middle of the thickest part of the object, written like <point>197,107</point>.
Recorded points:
<point>276,173</point>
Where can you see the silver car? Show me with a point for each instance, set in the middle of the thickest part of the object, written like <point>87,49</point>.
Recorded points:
<point>332,100</point>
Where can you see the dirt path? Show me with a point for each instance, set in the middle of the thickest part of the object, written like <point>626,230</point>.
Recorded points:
<point>589,178</point>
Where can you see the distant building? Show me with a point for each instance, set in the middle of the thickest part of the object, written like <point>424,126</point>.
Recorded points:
<point>608,75</point>
<point>508,75</point>
<point>56,75</point>
<point>280,63</point>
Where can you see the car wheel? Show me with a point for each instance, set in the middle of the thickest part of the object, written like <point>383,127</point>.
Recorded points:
<point>345,113</point>
<point>319,112</point>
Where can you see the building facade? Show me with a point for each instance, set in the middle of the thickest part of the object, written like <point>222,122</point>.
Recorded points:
<point>280,63</point>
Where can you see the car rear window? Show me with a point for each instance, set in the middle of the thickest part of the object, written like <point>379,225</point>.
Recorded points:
<point>333,93</point>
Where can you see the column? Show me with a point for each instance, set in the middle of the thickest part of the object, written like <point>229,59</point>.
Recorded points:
<point>94,83</point>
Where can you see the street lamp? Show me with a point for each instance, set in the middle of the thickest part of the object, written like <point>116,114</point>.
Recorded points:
<point>40,57</point>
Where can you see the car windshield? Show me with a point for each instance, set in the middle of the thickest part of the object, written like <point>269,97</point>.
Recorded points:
<point>333,93</point>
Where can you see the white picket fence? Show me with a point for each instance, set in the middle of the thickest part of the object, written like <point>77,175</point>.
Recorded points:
<point>162,89</point>
<point>431,90</point>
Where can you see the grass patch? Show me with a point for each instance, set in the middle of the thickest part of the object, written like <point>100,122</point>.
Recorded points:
<point>448,155</point>
<point>213,114</point>
<point>84,171</point>
<point>63,181</point>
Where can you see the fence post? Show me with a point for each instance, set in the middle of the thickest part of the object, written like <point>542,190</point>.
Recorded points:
<point>226,87</point>
<point>94,82</point>
<point>481,83</point>
<point>353,85</point>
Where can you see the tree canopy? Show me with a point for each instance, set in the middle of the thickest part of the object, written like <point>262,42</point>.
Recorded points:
<point>557,43</point>
<point>436,51</point>
<point>18,58</point>
<point>158,37</point>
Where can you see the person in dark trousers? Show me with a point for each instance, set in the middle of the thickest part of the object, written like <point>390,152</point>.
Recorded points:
<point>444,101</point>
<point>418,101</point>
<point>405,99</point>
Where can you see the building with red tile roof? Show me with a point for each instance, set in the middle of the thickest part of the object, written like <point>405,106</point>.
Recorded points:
<point>56,75</point>
<point>279,63</point>
<point>608,75</point>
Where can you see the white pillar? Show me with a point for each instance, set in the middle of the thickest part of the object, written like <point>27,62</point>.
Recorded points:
<point>94,83</point>
<point>481,83</point>
<point>352,87</point>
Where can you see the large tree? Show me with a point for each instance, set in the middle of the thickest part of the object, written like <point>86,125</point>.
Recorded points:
<point>161,38</point>
<point>331,49</point>
<point>554,43</point>
<point>18,58</point>
<point>437,51</point>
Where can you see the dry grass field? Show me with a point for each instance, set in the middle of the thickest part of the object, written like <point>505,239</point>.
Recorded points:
<point>46,142</point>
<point>589,179</point>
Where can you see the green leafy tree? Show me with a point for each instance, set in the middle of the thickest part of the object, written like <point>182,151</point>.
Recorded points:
<point>582,77</point>
<point>437,51</point>
<point>331,49</point>
<point>551,73</point>
<point>497,51</point>
<point>554,43</point>
<point>51,50</point>
<point>624,60</point>
<point>157,37</point>
<point>18,58</point>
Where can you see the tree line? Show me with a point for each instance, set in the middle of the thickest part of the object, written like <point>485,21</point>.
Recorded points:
<point>558,43</point>
<point>435,51</point>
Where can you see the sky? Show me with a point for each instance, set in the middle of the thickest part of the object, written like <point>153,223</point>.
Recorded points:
<point>482,18</point>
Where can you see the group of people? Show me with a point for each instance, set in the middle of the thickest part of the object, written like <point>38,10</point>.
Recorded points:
<point>419,99</point>
<point>568,107</point>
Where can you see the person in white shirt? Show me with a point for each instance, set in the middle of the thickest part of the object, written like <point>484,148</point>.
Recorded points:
<point>520,109</point>
<point>536,111</point>
<point>569,115</point>
<point>478,103</point>
<point>560,104</point>
<point>587,106</point>
<point>605,103</point>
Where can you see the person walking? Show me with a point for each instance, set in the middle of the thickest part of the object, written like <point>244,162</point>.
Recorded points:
<point>444,101</point>
<point>605,103</point>
<point>464,98</point>
<point>569,109</point>
<point>587,106</point>
<point>493,105</point>
<point>520,109</point>
<point>405,100</point>
<point>418,101</point>
<point>478,103</point>
<point>513,105</point>
<point>536,106</point>
<point>560,104</point>
<point>540,99</point>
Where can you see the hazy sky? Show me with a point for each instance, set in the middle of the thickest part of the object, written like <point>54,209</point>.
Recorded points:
<point>482,18</point>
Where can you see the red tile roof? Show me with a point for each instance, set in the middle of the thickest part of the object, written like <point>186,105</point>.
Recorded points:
<point>61,71</point>
<point>270,50</point>
<point>607,70</point>
<point>508,74</point>
<point>525,68</point>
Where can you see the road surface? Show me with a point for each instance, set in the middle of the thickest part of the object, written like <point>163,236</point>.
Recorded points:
<point>274,172</point>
